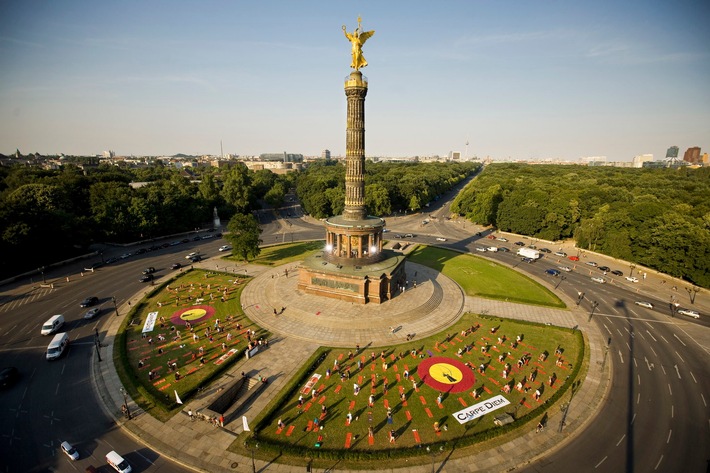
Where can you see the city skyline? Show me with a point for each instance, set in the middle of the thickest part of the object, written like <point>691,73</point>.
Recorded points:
<point>560,80</point>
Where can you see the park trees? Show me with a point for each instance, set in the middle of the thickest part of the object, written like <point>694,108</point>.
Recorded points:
<point>243,235</point>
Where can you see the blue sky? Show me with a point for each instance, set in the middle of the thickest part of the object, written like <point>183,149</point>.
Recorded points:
<point>516,79</point>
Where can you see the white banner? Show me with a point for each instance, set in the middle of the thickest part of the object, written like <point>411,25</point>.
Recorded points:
<point>480,409</point>
<point>245,424</point>
<point>150,322</point>
<point>310,384</point>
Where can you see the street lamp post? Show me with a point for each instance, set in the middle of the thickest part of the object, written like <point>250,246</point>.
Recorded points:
<point>580,297</point>
<point>41,270</point>
<point>632,267</point>
<point>126,409</point>
<point>115,307</point>
<point>433,454</point>
<point>97,344</point>
<point>562,278</point>
<point>595,304</point>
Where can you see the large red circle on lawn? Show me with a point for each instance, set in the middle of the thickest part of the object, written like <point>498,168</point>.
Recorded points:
<point>446,374</point>
<point>194,314</point>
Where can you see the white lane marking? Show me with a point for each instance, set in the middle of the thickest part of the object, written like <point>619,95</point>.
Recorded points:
<point>621,357</point>
<point>654,351</point>
<point>597,465</point>
<point>681,341</point>
<point>669,436</point>
<point>64,366</point>
<point>633,419</point>
<point>704,403</point>
<point>9,331</point>
<point>636,365</point>
<point>693,376</point>
<point>659,462</point>
<point>681,358</point>
<point>648,365</point>
<point>664,338</point>
<point>56,391</point>
<point>641,335</point>
<point>669,389</point>
<point>638,398</point>
<point>672,410</point>
<point>649,334</point>
<point>621,440</point>
<point>607,329</point>
<point>639,378</point>
<point>677,372</point>
<point>628,346</point>
<point>664,370</point>
<point>619,334</point>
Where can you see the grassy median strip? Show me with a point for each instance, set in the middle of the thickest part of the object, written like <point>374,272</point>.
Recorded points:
<point>484,278</point>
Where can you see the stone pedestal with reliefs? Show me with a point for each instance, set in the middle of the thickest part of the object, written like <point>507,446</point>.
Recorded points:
<point>354,266</point>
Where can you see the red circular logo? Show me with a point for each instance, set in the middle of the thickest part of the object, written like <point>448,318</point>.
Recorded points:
<point>446,374</point>
<point>194,315</point>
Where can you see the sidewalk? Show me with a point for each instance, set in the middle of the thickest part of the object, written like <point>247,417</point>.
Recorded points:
<point>203,447</point>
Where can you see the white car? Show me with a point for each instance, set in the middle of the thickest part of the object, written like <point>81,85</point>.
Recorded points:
<point>561,253</point>
<point>440,239</point>
<point>565,268</point>
<point>599,280</point>
<point>493,248</point>
<point>481,249</point>
<point>92,313</point>
<point>502,239</point>
<point>70,451</point>
<point>192,255</point>
<point>631,279</point>
<point>689,313</point>
<point>225,248</point>
<point>645,304</point>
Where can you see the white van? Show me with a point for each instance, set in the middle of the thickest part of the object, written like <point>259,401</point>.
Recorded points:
<point>117,462</point>
<point>56,347</point>
<point>52,325</point>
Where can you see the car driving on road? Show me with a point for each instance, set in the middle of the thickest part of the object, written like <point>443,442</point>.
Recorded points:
<point>689,313</point>
<point>645,304</point>
<point>89,301</point>
<point>92,313</point>
<point>631,279</point>
<point>599,280</point>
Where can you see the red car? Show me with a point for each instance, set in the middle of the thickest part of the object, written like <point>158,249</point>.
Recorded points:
<point>574,258</point>
<point>491,237</point>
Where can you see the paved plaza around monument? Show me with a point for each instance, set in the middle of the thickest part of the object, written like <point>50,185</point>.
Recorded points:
<point>309,322</point>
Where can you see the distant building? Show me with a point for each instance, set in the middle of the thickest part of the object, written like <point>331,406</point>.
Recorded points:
<point>594,160</point>
<point>325,154</point>
<point>705,160</point>
<point>672,152</point>
<point>640,159</point>
<point>283,157</point>
<point>692,155</point>
<point>455,155</point>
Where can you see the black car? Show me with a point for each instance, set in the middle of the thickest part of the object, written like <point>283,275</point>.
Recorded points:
<point>503,249</point>
<point>149,270</point>
<point>616,272</point>
<point>89,301</point>
<point>197,238</point>
<point>185,240</point>
<point>111,260</point>
<point>140,251</point>
<point>519,243</point>
<point>8,376</point>
<point>195,258</point>
<point>545,250</point>
<point>146,278</point>
<point>604,268</point>
<point>176,266</point>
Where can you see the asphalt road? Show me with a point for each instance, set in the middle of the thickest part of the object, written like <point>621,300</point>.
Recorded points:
<point>55,401</point>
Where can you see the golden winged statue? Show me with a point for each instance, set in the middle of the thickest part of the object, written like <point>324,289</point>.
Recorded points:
<point>358,38</point>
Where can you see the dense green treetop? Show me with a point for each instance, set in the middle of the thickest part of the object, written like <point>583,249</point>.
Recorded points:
<point>389,187</point>
<point>656,217</point>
